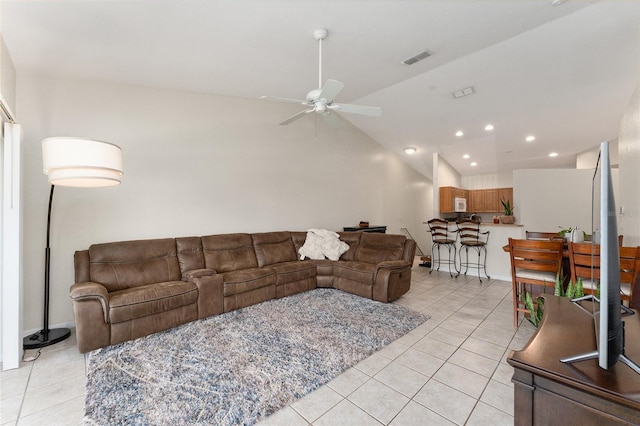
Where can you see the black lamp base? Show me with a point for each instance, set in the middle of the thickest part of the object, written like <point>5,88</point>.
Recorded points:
<point>40,340</point>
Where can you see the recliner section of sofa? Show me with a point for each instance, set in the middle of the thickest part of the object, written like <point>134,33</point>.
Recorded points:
<point>125,290</point>
<point>130,289</point>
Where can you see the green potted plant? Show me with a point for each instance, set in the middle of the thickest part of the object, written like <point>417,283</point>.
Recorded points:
<point>574,235</point>
<point>507,210</point>
<point>536,310</point>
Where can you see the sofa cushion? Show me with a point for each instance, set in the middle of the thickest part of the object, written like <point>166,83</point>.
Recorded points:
<point>323,267</point>
<point>355,271</point>
<point>294,271</point>
<point>122,265</point>
<point>190,255</point>
<point>236,282</point>
<point>138,302</point>
<point>353,239</point>
<point>298,238</point>
<point>228,252</point>
<point>375,248</point>
<point>273,247</point>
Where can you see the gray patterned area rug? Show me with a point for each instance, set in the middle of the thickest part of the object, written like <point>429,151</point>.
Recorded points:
<point>239,367</point>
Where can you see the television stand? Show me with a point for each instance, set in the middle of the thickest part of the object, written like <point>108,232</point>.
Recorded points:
<point>595,354</point>
<point>547,391</point>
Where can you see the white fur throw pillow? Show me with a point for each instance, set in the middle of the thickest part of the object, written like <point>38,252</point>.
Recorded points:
<point>320,243</point>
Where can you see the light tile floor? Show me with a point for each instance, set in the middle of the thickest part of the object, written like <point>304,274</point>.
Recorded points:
<point>451,370</point>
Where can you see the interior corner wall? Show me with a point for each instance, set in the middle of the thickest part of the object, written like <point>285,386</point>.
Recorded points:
<point>447,175</point>
<point>588,159</point>
<point>629,155</point>
<point>197,164</point>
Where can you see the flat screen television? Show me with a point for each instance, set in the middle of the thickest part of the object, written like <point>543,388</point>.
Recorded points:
<point>609,326</point>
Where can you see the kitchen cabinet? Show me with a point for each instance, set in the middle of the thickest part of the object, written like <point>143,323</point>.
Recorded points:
<point>476,200</point>
<point>488,200</point>
<point>484,201</point>
<point>492,201</point>
<point>448,194</point>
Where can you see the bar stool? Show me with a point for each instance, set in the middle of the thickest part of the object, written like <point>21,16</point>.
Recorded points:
<point>471,238</point>
<point>442,237</point>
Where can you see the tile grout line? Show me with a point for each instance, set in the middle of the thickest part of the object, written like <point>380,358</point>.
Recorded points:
<point>460,346</point>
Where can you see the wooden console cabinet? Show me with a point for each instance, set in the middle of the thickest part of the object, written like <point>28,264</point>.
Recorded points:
<point>548,392</point>
<point>380,229</point>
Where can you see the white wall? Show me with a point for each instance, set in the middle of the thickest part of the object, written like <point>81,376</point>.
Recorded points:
<point>629,154</point>
<point>447,175</point>
<point>589,158</point>
<point>197,165</point>
<point>487,181</point>
<point>547,199</point>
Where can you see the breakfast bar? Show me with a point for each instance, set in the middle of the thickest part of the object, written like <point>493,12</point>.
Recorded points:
<point>498,262</point>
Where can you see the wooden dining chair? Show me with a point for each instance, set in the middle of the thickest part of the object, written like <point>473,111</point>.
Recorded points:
<point>584,259</point>
<point>534,263</point>
<point>585,263</point>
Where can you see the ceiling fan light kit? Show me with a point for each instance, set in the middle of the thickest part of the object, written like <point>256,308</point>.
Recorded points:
<point>320,100</point>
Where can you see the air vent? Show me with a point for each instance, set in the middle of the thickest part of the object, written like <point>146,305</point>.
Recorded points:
<point>463,92</point>
<point>420,56</point>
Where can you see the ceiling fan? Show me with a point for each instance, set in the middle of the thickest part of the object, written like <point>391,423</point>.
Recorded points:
<point>321,100</point>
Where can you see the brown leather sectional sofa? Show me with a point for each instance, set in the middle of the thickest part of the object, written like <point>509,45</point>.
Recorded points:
<point>125,290</point>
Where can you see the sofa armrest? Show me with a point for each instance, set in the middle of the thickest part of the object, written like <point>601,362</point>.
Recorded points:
<point>409,250</point>
<point>391,280</point>
<point>393,264</point>
<point>92,291</point>
<point>210,291</point>
<point>197,273</point>
<point>91,310</point>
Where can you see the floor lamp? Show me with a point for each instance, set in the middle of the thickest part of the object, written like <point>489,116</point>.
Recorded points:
<point>72,162</point>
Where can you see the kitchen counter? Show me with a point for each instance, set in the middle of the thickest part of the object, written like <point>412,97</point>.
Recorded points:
<point>498,262</point>
<point>499,224</point>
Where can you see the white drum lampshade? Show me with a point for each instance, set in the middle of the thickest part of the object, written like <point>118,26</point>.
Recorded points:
<point>81,162</point>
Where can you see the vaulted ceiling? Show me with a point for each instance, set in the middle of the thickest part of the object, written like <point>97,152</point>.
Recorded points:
<point>562,71</point>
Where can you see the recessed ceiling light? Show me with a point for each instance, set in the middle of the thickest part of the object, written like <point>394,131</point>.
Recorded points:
<point>466,156</point>
<point>530,138</point>
<point>474,164</point>
<point>488,127</point>
<point>553,154</point>
<point>459,133</point>
<point>410,150</point>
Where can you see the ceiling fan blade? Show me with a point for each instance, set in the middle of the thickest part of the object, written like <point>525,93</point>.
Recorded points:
<point>277,99</point>
<point>332,119</point>
<point>294,117</point>
<point>357,109</point>
<point>330,89</point>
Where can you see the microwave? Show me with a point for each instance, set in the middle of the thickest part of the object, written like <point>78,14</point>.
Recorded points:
<point>460,204</point>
